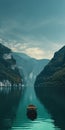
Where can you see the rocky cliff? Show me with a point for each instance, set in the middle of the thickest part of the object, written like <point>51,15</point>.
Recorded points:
<point>9,73</point>
<point>54,72</point>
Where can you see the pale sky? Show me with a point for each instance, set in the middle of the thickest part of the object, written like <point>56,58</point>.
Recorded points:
<point>35,27</point>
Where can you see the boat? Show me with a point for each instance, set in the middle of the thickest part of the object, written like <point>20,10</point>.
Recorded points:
<point>32,112</point>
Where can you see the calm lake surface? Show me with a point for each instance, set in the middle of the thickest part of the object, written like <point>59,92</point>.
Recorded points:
<point>43,121</point>
<point>13,111</point>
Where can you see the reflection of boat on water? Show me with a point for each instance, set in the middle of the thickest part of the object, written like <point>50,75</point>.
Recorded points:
<point>32,112</point>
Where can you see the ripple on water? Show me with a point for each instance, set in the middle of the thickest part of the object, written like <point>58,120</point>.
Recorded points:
<point>37,125</point>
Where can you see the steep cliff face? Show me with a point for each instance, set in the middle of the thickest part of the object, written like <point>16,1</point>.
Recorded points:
<point>9,73</point>
<point>54,73</point>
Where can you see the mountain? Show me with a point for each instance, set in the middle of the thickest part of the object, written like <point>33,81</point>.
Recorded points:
<point>24,62</point>
<point>50,88</point>
<point>54,72</point>
<point>30,67</point>
<point>9,73</point>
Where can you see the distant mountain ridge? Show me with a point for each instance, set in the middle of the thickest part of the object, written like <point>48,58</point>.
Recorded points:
<point>29,66</point>
<point>23,55</point>
<point>9,73</point>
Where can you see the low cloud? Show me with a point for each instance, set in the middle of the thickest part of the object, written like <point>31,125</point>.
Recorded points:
<point>37,49</point>
<point>35,52</point>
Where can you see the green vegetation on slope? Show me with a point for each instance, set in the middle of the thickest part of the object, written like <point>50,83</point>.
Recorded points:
<point>54,73</point>
<point>8,69</point>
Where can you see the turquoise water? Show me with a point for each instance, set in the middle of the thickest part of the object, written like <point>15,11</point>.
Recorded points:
<point>43,121</point>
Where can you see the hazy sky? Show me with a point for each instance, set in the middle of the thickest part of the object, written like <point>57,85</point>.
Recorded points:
<point>36,27</point>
